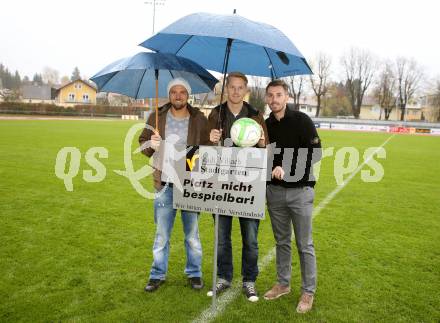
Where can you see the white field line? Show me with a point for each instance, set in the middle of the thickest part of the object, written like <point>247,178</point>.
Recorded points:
<point>338,188</point>
<point>227,297</point>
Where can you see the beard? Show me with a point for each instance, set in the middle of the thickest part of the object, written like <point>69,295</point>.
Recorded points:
<point>178,105</point>
<point>277,107</point>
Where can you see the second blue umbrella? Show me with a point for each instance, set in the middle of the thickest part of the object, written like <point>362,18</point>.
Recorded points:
<point>135,76</point>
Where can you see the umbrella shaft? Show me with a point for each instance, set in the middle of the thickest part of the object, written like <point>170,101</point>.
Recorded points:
<point>157,105</point>
<point>225,69</point>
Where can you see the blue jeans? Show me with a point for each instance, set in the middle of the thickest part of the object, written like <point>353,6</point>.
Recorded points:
<point>164,215</point>
<point>249,252</point>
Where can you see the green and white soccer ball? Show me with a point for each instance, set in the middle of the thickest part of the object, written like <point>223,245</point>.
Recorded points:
<point>245,132</point>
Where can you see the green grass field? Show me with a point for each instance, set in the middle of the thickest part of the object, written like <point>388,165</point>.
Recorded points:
<point>85,255</point>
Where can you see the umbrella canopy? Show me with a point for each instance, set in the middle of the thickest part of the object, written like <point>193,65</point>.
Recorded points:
<point>135,76</point>
<point>255,48</point>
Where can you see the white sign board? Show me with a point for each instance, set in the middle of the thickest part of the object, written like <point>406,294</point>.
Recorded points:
<point>222,180</point>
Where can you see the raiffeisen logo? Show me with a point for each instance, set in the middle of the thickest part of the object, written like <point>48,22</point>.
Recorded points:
<point>192,158</point>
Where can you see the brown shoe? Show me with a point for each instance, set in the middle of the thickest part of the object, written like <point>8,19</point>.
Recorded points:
<point>277,290</point>
<point>305,303</point>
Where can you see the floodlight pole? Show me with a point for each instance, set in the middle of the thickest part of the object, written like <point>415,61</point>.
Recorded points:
<point>154,2</point>
<point>154,13</point>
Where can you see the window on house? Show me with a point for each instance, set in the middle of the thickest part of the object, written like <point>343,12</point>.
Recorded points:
<point>77,85</point>
<point>71,97</point>
<point>85,98</point>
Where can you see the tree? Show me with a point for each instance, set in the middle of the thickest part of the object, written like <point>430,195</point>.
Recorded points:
<point>50,76</point>
<point>37,79</point>
<point>65,80</point>
<point>359,66</point>
<point>408,75</point>
<point>257,93</point>
<point>102,99</point>
<point>295,84</point>
<point>433,102</point>
<point>385,91</point>
<point>6,77</point>
<point>76,75</point>
<point>2,71</point>
<point>437,100</point>
<point>336,101</point>
<point>26,80</point>
<point>318,81</point>
<point>11,96</point>
<point>218,91</point>
<point>16,81</point>
<point>8,80</point>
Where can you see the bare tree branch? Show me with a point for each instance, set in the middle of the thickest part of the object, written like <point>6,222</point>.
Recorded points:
<point>385,90</point>
<point>295,84</point>
<point>257,93</point>
<point>319,80</point>
<point>359,66</point>
<point>409,75</point>
<point>50,76</point>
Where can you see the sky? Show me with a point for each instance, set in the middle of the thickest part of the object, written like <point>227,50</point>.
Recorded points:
<point>91,34</point>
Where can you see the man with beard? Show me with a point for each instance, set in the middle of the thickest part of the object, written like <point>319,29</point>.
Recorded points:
<point>179,124</point>
<point>290,192</point>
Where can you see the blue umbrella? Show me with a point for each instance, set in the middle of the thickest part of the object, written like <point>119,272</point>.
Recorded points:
<point>135,76</point>
<point>146,75</point>
<point>226,43</point>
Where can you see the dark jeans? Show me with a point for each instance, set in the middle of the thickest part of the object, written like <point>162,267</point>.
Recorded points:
<point>249,253</point>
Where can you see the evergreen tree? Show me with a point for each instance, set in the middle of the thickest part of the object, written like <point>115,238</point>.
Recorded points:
<point>2,71</point>
<point>37,79</point>
<point>75,74</point>
<point>7,79</point>
<point>16,81</point>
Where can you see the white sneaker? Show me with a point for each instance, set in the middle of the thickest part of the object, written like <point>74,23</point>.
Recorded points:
<point>220,287</point>
<point>250,291</point>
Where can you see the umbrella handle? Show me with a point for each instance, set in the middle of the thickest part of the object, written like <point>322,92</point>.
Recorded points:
<point>157,99</point>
